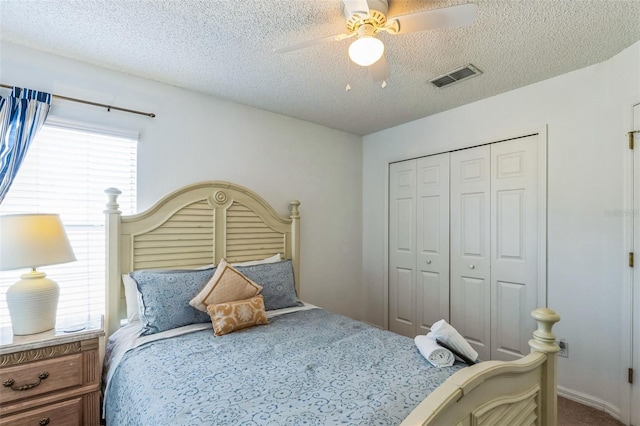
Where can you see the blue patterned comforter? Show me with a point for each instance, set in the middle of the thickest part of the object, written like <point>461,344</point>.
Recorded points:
<point>310,367</point>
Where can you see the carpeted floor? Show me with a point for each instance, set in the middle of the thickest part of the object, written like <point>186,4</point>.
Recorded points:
<point>571,413</point>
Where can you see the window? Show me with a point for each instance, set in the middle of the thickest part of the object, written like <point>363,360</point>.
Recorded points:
<point>66,171</point>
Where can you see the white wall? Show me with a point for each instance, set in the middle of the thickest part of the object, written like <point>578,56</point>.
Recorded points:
<point>196,137</point>
<point>585,113</point>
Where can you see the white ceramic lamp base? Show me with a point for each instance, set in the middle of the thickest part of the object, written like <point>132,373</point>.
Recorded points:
<point>33,302</point>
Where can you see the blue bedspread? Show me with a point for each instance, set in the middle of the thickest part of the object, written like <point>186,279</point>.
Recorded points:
<point>305,368</point>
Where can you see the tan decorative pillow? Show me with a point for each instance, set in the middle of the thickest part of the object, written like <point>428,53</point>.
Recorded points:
<point>226,285</point>
<point>233,316</point>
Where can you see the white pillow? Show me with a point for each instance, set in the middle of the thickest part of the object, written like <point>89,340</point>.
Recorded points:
<point>131,297</point>
<point>272,259</point>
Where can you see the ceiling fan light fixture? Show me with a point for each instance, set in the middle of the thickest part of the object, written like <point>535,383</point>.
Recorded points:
<point>366,50</point>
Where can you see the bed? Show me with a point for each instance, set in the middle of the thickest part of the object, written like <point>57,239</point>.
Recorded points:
<point>307,365</point>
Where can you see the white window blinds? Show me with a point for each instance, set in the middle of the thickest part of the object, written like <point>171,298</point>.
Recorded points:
<point>66,171</point>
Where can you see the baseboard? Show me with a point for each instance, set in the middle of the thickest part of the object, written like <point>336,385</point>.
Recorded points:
<point>590,401</point>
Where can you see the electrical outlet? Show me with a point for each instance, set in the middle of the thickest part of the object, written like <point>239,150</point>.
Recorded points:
<point>564,348</point>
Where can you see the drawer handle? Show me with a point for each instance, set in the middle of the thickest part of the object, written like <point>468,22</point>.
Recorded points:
<point>10,384</point>
<point>44,421</point>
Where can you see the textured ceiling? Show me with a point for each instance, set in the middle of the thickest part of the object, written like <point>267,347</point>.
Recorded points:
<point>224,48</point>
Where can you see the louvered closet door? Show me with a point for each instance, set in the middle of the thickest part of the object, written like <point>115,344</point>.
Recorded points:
<point>432,280</point>
<point>514,245</point>
<point>402,247</point>
<point>470,290</point>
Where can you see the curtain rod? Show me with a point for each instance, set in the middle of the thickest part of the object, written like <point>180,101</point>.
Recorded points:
<point>81,101</point>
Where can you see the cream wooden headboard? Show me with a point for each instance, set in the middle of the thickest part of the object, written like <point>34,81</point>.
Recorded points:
<point>194,226</point>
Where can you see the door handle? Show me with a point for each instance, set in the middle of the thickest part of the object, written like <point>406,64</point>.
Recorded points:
<point>472,266</point>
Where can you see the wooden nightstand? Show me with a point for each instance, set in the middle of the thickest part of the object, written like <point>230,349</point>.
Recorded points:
<point>51,378</point>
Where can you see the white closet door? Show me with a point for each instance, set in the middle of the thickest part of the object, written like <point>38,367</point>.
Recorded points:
<point>634,315</point>
<point>514,245</point>
<point>432,280</point>
<point>470,247</point>
<point>402,247</point>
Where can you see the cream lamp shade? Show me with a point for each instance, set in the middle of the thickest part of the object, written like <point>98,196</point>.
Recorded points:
<point>32,241</point>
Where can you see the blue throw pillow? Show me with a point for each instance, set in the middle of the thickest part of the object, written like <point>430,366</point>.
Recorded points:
<point>277,281</point>
<point>165,297</point>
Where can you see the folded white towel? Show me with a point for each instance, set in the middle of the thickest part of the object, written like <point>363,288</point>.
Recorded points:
<point>435,354</point>
<point>449,335</point>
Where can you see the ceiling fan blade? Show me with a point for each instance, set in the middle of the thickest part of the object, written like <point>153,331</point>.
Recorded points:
<point>310,43</point>
<point>379,70</point>
<point>353,7</point>
<point>434,19</point>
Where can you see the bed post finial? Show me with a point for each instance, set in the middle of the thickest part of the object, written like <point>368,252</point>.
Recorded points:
<point>544,341</point>
<point>543,338</point>
<point>295,212</point>
<point>112,204</point>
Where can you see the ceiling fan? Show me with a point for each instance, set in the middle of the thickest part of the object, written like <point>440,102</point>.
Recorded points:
<point>367,18</point>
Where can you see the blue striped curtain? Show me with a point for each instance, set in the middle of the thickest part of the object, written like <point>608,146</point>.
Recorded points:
<point>21,116</point>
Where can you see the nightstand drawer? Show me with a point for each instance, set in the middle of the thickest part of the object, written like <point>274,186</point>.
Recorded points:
<point>69,391</point>
<point>36,378</point>
<point>65,413</point>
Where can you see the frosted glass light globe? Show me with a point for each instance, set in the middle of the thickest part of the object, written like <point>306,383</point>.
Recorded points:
<point>366,50</point>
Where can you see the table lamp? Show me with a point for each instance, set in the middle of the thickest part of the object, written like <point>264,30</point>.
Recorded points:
<point>31,241</point>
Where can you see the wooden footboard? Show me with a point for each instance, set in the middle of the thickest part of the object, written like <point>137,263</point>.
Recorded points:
<point>521,392</point>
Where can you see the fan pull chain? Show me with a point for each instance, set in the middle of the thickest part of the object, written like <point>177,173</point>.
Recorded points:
<point>348,87</point>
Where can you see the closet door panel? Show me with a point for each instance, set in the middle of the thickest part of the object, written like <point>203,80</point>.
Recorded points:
<point>430,295</point>
<point>510,306</point>
<point>472,216</point>
<point>402,247</point>
<point>470,298</point>
<point>514,245</point>
<point>432,240</point>
<point>403,297</point>
<point>473,312</point>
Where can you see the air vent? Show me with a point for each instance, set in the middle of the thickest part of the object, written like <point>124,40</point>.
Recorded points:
<point>455,76</point>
